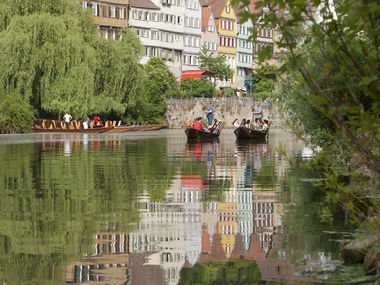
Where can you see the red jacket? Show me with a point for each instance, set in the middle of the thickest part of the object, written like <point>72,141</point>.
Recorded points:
<point>198,125</point>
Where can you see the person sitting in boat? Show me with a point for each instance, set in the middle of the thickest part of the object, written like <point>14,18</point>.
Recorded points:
<point>197,124</point>
<point>265,125</point>
<point>188,124</point>
<point>86,123</point>
<point>259,124</point>
<point>236,123</point>
<point>67,118</point>
<point>248,124</point>
<point>97,121</point>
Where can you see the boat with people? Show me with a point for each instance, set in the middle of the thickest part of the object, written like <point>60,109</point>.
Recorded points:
<point>195,133</point>
<point>74,126</point>
<point>247,131</point>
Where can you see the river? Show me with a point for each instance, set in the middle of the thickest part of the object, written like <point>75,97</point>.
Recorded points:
<point>151,208</point>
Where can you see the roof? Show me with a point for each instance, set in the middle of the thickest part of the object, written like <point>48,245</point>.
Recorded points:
<point>205,3</point>
<point>196,73</point>
<point>147,4</point>
<point>217,7</point>
<point>206,13</point>
<point>119,2</point>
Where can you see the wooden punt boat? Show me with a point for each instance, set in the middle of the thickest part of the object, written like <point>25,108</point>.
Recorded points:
<point>129,128</point>
<point>84,131</point>
<point>213,133</point>
<point>53,126</point>
<point>244,133</point>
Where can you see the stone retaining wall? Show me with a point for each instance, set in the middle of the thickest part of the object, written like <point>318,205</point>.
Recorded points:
<point>180,111</point>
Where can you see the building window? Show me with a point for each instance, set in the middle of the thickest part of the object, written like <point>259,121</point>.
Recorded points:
<point>228,9</point>
<point>112,11</point>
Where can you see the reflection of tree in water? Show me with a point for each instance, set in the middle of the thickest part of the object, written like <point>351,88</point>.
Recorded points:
<point>230,272</point>
<point>58,201</point>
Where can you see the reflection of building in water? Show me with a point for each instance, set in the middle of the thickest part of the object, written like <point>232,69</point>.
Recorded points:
<point>171,231</point>
<point>266,217</point>
<point>108,263</point>
<point>227,225</point>
<point>244,197</point>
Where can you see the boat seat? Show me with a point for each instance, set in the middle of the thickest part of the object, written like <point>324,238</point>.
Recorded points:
<point>77,124</point>
<point>217,127</point>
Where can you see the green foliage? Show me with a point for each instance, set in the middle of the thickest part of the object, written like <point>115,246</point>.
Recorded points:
<point>159,85</point>
<point>216,64</point>
<point>224,273</point>
<point>16,114</point>
<point>52,204</point>
<point>331,86</point>
<point>119,76</point>
<point>52,56</point>
<point>197,88</point>
<point>265,78</point>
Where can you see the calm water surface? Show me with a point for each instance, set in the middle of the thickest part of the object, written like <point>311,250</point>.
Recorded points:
<point>150,208</point>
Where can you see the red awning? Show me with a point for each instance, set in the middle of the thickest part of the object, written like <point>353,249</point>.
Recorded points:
<point>191,182</point>
<point>196,74</point>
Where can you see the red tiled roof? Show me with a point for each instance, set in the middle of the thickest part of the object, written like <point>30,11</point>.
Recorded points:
<point>206,13</point>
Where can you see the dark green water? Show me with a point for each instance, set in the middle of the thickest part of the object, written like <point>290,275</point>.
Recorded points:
<point>150,208</point>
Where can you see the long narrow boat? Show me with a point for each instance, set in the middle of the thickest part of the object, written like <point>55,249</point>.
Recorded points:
<point>52,126</point>
<point>59,130</point>
<point>244,133</point>
<point>122,129</point>
<point>213,133</point>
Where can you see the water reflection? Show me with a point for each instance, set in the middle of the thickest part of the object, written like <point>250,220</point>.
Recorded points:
<point>157,210</point>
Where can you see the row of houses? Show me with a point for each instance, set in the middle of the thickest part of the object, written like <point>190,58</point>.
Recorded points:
<point>176,30</point>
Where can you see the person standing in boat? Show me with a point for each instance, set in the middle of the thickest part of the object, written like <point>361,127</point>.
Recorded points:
<point>86,123</point>
<point>210,115</point>
<point>67,118</point>
<point>257,112</point>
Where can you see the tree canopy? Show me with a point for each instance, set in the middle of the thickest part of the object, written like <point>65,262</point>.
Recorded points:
<point>159,84</point>
<point>53,57</point>
<point>331,87</point>
<point>197,88</point>
<point>264,81</point>
<point>215,63</point>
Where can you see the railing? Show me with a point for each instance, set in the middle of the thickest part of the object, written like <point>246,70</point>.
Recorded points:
<point>248,101</point>
<point>227,100</point>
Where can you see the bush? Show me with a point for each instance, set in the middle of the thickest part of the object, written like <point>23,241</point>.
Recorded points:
<point>197,88</point>
<point>16,115</point>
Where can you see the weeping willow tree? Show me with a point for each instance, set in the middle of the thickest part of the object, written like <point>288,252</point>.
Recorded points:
<point>52,56</point>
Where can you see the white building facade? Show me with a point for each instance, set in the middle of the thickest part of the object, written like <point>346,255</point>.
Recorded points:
<point>192,35</point>
<point>160,26</point>
<point>244,62</point>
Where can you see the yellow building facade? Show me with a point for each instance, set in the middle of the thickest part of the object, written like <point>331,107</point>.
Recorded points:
<point>226,22</point>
